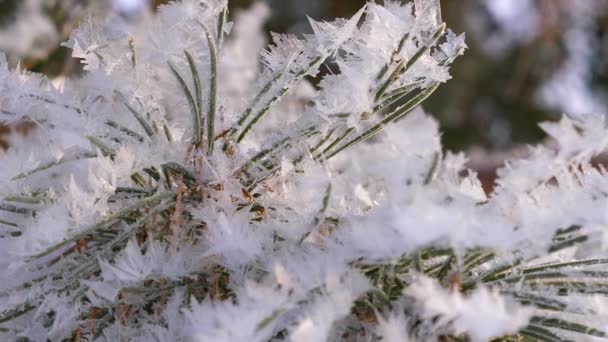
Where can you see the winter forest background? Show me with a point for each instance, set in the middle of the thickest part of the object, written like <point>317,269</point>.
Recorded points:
<point>289,170</point>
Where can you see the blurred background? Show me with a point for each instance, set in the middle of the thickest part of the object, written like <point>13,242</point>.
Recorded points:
<point>528,60</point>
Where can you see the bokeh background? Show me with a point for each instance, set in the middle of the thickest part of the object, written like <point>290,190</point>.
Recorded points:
<point>528,60</point>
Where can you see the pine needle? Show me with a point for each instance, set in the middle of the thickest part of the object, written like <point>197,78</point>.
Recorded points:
<point>212,91</point>
<point>196,117</point>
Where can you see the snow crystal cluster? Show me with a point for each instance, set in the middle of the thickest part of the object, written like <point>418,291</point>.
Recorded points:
<point>184,190</point>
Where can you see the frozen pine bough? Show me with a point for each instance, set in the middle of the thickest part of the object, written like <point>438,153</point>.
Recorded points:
<point>184,190</point>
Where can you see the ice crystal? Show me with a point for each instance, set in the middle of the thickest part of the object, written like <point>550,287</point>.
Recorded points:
<point>182,190</point>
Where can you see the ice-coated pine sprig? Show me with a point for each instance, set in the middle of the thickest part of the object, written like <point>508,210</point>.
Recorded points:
<point>328,214</point>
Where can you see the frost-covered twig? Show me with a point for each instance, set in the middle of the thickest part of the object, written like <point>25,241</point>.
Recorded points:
<point>328,214</point>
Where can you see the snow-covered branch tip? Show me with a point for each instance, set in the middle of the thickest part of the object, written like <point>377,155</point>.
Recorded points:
<point>180,184</point>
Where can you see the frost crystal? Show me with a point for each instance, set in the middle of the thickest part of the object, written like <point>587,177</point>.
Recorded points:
<point>182,191</point>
